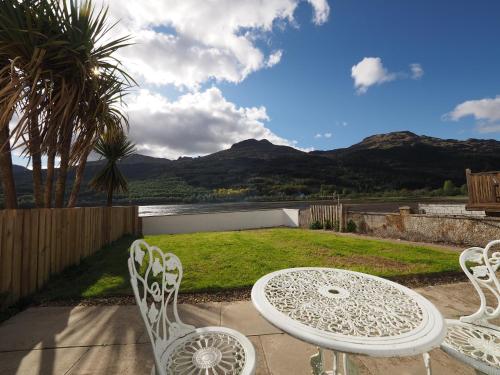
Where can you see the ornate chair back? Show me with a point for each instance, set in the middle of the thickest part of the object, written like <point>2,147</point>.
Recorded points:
<point>481,266</point>
<point>156,277</point>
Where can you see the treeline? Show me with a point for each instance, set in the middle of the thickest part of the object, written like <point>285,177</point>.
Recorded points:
<point>171,190</point>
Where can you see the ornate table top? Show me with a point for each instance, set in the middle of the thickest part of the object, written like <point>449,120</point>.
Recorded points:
<point>349,311</point>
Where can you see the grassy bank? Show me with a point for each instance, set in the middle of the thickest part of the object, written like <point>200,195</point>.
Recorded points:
<point>227,260</point>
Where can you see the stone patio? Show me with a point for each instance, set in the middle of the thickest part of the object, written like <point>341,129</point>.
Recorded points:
<point>113,340</point>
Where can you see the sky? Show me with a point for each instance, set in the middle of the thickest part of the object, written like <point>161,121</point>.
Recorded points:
<point>316,74</point>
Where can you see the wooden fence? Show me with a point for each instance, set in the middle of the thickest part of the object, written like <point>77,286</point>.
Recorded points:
<point>38,243</point>
<point>333,214</point>
<point>484,190</point>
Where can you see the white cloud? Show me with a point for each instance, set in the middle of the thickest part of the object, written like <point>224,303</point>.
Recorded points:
<point>488,128</point>
<point>368,72</point>
<point>321,11</point>
<point>416,71</point>
<point>187,42</point>
<point>326,135</point>
<point>194,124</point>
<point>274,58</point>
<point>485,111</point>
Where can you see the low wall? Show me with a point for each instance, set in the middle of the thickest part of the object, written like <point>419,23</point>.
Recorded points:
<point>448,210</point>
<point>219,221</point>
<point>469,231</point>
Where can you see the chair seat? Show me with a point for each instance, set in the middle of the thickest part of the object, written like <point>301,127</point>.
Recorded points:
<point>210,350</point>
<point>477,346</point>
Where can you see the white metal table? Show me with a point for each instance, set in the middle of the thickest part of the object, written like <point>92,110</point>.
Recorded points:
<point>349,312</point>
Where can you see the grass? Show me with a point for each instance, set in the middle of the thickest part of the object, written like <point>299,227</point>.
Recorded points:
<point>226,260</point>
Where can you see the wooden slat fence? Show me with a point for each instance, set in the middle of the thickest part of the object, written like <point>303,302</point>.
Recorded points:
<point>484,189</point>
<point>38,243</point>
<point>334,214</point>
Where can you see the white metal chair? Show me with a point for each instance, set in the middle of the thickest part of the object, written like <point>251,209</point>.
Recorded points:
<point>474,339</point>
<point>180,348</point>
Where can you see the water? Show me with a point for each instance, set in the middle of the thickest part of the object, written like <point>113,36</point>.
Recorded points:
<point>196,208</point>
<point>175,209</point>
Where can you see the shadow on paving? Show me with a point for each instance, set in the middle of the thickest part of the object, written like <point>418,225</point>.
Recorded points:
<point>59,340</point>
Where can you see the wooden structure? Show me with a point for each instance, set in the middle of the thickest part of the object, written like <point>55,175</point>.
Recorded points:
<point>38,243</point>
<point>334,214</point>
<point>484,191</point>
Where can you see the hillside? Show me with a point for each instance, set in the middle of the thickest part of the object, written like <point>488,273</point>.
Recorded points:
<point>260,169</point>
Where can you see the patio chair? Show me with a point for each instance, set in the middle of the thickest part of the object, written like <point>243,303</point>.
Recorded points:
<point>474,339</point>
<point>180,348</point>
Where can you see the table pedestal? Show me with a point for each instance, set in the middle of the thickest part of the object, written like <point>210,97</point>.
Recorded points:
<point>319,367</point>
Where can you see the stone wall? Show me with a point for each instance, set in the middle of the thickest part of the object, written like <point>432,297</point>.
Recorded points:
<point>448,210</point>
<point>456,230</point>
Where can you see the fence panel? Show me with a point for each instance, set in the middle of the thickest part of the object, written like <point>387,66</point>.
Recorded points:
<point>484,189</point>
<point>38,243</point>
<point>333,214</point>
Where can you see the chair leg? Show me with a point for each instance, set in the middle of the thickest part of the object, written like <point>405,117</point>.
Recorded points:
<point>427,363</point>
<point>153,370</point>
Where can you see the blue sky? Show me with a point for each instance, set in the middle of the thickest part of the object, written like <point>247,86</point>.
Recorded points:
<point>311,90</point>
<point>215,73</point>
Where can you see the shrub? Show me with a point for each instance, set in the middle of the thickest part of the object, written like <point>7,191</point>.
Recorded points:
<point>336,226</point>
<point>328,225</point>
<point>316,225</point>
<point>351,226</point>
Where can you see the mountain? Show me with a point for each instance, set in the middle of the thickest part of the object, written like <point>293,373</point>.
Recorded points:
<point>258,168</point>
<point>254,149</point>
<point>406,160</point>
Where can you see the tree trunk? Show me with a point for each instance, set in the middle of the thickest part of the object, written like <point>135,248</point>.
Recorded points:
<point>49,179</point>
<point>78,180</point>
<point>36,161</point>
<point>110,196</point>
<point>63,168</point>
<point>6,170</point>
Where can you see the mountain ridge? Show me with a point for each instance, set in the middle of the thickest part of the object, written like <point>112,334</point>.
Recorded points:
<point>259,168</point>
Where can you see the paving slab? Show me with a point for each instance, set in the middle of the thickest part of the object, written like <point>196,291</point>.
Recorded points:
<point>50,327</point>
<point>43,362</point>
<point>115,359</point>
<point>441,364</point>
<point>261,365</point>
<point>113,340</point>
<point>452,300</point>
<point>287,355</point>
<point>199,315</point>
<point>243,317</point>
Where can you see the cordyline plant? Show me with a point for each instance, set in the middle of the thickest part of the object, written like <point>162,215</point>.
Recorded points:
<point>112,146</point>
<point>65,86</point>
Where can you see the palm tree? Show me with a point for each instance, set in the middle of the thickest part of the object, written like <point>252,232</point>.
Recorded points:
<point>49,51</point>
<point>103,108</point>
<point>113,146</point>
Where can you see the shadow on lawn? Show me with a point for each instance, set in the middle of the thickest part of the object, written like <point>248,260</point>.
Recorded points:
<point>104,273</point>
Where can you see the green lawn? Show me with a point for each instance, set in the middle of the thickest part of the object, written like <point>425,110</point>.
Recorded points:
<point>225,260</point>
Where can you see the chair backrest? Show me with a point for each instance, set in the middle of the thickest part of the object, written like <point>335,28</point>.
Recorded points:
<point>156,277</point>
<point>481,266</point>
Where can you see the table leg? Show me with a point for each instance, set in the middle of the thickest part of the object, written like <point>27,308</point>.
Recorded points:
<point>335,361</point>
<point>427,363</point>
<point>318,363</point>
<point>346,364</point>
